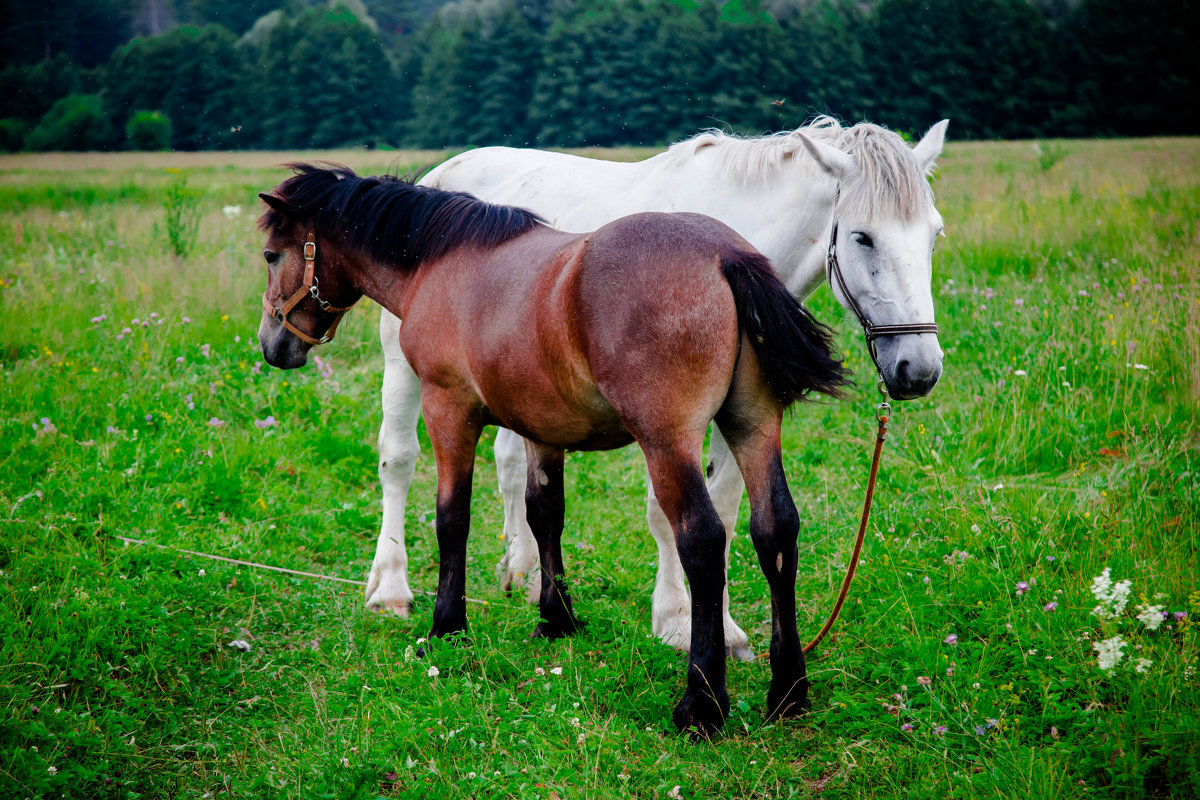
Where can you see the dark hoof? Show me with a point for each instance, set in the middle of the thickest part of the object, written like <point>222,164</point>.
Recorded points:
<point>556,630</point>
<point>700,716</point>
<point>450,632</point>
<point>789,701</point>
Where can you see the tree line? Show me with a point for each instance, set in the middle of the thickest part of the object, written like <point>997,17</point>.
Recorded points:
<point>217,74</point>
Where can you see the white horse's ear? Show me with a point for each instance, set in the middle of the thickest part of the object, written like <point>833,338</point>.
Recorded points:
<point>834,161</point>
<point>930,147</point>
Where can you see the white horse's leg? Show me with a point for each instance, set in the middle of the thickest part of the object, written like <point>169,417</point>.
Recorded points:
<point>726,487</point>
<point>519,569</point>
<point>671,604</point>
<point>387,585</point>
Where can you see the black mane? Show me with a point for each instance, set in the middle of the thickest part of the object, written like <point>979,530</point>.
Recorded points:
<point>391,219</point>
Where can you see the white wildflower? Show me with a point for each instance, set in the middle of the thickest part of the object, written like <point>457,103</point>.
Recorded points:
<point>434,672</point>
<point>1113,597</point>
<point>556,671</point>
<point>1150,616</point>
<point>1109,652</point>
<point>674,793</point>
<point>1143,665</point>
<point>231,212</point>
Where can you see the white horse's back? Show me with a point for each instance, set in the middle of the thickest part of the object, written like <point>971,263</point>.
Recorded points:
<point>570,192</point>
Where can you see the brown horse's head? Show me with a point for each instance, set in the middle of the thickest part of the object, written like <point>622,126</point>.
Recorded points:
<point>297,308</point>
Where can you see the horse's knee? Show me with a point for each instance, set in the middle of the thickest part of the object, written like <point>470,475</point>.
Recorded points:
<point>397,454</point>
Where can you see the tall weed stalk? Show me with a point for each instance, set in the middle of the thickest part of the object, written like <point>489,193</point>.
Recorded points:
<point>183,223</point>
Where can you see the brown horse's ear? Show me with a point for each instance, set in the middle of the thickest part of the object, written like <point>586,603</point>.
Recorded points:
<point>278,204</point>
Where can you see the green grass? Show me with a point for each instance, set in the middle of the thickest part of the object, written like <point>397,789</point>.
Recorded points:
<point>1062,439</point>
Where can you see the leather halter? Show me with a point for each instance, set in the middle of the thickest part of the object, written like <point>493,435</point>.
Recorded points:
<point>307,289</point>
<point>870,331</point>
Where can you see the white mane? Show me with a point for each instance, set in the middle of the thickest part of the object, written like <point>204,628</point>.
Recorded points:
<point>887,183</point>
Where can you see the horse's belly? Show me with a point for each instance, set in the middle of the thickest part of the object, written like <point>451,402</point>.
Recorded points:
<point>595,426</point>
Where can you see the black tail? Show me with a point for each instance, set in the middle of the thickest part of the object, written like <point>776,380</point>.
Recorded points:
<point>795,350</point>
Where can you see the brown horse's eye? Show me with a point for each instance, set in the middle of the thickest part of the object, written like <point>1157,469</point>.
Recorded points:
<point>271,256</point>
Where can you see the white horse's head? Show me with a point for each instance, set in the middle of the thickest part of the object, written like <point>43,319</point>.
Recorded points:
<point>884,229</point>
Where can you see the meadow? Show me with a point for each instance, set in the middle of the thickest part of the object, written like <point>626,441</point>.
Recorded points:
<point>978,654</point>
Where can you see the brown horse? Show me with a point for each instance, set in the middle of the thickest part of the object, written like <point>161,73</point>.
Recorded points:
<point>645,330</point>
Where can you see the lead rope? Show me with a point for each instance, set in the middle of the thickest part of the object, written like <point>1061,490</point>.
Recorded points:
<point>881,414</point>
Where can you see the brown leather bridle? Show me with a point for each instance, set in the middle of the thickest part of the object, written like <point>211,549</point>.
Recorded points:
<point>870,331</point>
<point>307,289</point>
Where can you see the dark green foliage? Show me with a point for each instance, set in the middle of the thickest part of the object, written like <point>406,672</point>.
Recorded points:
<point>148,130</point>
<point>28,90</point>
<point>985,65</point>
<point>322,80</point>
<point>1143,66</point>
<point>190,74</point>
<point>77,122</point>
<point>554,73</point>
<point>12,135</point>
<point>86,31</point>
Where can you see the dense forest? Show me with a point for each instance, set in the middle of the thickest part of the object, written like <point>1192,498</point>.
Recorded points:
<point>284,74</point>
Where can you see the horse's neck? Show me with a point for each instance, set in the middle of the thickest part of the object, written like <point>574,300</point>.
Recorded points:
<point>387,285</point>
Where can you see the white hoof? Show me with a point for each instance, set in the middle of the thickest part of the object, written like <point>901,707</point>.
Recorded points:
<point>737,643</point>
<point>514,580</point>
<point>388,596</point>
<point>740,653</point>
<point>674,629</point>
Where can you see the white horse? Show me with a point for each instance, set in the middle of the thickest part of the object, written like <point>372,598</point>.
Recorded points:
<point>783,193</point>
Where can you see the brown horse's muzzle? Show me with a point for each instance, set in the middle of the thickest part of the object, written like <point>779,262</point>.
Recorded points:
<point>280,348</point>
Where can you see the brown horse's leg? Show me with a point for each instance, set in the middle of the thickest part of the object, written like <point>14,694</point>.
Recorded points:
<point>774,526</point>
<point>700,537</point>
<point>545,507</point>
<point>453,434</point>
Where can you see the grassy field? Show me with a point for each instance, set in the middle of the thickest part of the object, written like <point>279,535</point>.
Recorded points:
<point>1062,440</point>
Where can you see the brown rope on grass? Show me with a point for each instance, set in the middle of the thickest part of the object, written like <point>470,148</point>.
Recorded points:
<point>862,532</point>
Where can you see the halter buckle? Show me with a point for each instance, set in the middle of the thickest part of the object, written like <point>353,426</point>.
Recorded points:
<point>310,251</point>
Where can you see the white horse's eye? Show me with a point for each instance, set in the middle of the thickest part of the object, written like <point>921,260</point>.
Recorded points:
<point>863,238</point>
